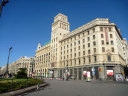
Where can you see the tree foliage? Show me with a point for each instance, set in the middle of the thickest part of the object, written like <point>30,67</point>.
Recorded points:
<point>22,73</point>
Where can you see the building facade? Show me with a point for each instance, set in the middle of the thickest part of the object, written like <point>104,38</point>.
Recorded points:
<point>25,62</point>
<point>42,60</point>
<point>97,47</point>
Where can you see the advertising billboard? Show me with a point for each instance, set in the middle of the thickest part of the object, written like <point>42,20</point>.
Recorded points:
<point>109,72</point>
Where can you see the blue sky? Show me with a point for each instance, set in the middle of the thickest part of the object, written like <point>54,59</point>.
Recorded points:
<point>24,23</point>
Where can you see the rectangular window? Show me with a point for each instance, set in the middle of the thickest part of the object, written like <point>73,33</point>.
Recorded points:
<point>67,46</point>
<point>95,58</point>
<point>101,28</point>
<point>110,29</point>
<point>83,52</point>
<point>71,45</point>
<point>94,37</point>
<point>83,46</point>
<point>71,55</point>
<point>74,49</point>
<point>79,61</point>
<point>102,36</point>
<point>83,40</point>
<point>74,54</point>
<point>112,49</point>
<point>75,38</point>
<point>89,59</point>
<point>79,36</point>
<point>79,42</point>
<point>88,44</point>
<point>94,50</point>
<point>88,32</point>
<point>79,53</point>
<point>88,51</point>
<point>74,43</point>
<point>79,47</point>
<point>83,34</point>
<point>112,43</point>
<point>93,30</point>
<point>94,43</point>
<point>111,36</point>
<point>71,50</point>
<point>84,60</point>
<point>109,58</point>
<point>88,39</point>
<point>102,42</point>
<point>103,49</point>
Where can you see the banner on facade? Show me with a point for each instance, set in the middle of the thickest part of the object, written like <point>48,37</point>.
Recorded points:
<point>100,69</point>
<point>88,76</point>
<point>109,72</point>
<point>84,73</point>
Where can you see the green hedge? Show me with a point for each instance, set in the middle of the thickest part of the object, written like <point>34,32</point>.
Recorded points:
<point>18,84</point>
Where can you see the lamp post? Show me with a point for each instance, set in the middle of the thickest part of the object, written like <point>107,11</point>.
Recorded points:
<point>6,74</point>
<point>3,3</point>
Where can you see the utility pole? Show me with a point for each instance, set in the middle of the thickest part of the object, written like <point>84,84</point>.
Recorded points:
<point>3,3</point>
<point>6,74</point>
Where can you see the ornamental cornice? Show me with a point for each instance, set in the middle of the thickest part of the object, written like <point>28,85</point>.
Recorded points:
<point>96,22</point>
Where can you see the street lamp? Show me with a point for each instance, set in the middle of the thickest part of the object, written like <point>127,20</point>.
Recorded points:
<point>6,74</point>
<point>3,3</point>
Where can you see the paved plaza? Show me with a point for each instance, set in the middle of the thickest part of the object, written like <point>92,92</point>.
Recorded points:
<point>81,88</point>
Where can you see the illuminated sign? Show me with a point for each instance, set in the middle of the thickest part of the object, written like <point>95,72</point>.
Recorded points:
<point>109,72</point>
<point>47,43</point>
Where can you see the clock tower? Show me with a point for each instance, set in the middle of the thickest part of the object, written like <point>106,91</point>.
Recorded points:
<point>60,27</point>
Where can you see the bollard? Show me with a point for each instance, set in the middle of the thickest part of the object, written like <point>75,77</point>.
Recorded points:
<point>38,85</point>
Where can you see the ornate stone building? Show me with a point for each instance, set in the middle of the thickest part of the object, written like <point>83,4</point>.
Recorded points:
<point>25,62</point>
<point>97,45</point>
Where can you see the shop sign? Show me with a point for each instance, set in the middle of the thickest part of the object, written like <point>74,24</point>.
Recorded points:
<point>51,72</point>
<point>109,72</point>
<point>119,77</point>
<point>100,69</point>
<point>84,73</point>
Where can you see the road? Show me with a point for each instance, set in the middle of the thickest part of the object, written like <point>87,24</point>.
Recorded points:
<point>81,88</point>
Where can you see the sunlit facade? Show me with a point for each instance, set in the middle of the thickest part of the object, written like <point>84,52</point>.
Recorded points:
<point>97,45</point>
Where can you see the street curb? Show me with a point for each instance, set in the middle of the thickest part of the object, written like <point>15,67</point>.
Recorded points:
<point>17,92</point>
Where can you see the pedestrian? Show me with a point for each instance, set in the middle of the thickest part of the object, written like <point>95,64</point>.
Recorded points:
<point>63,77</point>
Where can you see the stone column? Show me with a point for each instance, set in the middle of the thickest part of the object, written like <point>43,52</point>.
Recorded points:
<point>77,74</point>
<point>73,73</point>
<point>101,72</point>
<point>82,69</point>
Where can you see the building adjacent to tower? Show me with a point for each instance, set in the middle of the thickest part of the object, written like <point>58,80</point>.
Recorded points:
<point>97,45</point>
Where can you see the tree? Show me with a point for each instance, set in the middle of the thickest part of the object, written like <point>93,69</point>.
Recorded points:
<point>22,73</point>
